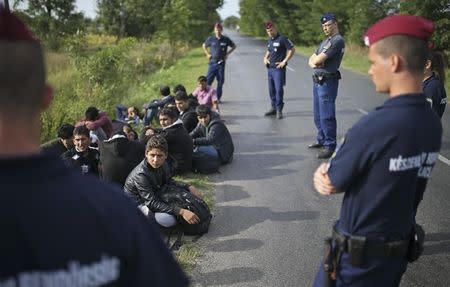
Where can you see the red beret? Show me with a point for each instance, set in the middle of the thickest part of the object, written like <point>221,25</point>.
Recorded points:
<point>269,25</point>
<point>408,25</point>
<point>218,25</point>
<point>12,28</point>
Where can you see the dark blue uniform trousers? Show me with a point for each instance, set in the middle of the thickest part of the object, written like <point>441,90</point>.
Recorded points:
<point>325,112</point>
<point>375,272</point>
<point>277,79</point>
<point>217,71</point>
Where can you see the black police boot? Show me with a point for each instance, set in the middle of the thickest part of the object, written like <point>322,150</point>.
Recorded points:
<point>270,112</point>
<point>315,145</point>
<point>325,153</point>
<point>279,115</point>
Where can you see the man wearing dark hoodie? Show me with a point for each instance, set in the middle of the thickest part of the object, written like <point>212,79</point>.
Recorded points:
<point>211,136</point>
<point>187,112</point>
<point>178,139</point>
<point>118,157</point>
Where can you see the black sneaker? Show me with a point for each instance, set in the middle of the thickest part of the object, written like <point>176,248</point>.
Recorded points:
<point>315,145</point>
<point>279,115</point>
<point>325,153</point>
<point>271,112</point>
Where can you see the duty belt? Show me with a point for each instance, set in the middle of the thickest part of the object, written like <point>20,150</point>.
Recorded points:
<point>321,77</point>
<point>359,244</point>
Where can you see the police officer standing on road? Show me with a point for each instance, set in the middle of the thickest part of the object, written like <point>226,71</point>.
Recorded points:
<point>217,56</point>
<point>325,62</point>
<point>279,51</point>
<point>383,164</point>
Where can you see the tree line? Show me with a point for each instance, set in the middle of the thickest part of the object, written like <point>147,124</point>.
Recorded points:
<point>299,19</point>
<point>186,21</point>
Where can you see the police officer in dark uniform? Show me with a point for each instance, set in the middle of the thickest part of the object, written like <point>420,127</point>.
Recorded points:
<point>60,228</point>
<point>383,164</point>
<point>325,62</point>
<point>433,82</point>
<point>217,55</point>
<point>279,51</point>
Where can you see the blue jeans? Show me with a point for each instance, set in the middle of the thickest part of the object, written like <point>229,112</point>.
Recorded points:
<point>277,79</point>
<point>325,112</point>
<point>217,71</point>
<point>150,114</point>
<point>207,149</point>
<point>165,219</point>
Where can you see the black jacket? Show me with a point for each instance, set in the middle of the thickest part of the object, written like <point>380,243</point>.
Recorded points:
<point>55,146</point>
<point>144,184</point>
<point>189,118</point>
<point>217,135</point>
<point>86,164</point>
<point>118,157</point>
<point>180,146</point>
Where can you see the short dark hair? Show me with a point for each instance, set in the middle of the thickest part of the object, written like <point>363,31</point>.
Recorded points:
<point>164,90</point>
<point>181,96</point>
<point>170,112</point>
<point>157,141</point>
<point>413,50</point>
<point>22,78</point>
<point>81,131</point>
<point>65,132</point>
<point>203,110</point>
<point>202,79</point>
<point>178,88</point>
<point>437,64</point>
<point>91,113</point>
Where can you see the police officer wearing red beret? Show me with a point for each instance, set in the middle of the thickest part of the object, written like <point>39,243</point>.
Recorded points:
<point>216,50</point>
<point>383,164</point>
<point>60,228</point>
<point>279,51</point>
<point>325,62</point>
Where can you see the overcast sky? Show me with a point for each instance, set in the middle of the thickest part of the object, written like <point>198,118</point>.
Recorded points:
<point>230,7</point>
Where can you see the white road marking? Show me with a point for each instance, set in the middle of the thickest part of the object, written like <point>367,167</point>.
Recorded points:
<point>363,111</point>
<point>444,159</point>
<point>289,68</point>
<point>441,157</point>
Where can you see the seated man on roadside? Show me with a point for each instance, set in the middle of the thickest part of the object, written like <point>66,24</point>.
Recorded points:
<point>211,136</point>
<point>178,140</point>
<point>63,143</point>
<point>187,113</point>
<point>81,155</point>
<point>152,108</point>
<point>206,95</point>
<point>98,123</point>
<point>147,180</point>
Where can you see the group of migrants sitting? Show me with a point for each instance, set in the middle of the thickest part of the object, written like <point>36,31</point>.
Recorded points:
<point>191,137</point>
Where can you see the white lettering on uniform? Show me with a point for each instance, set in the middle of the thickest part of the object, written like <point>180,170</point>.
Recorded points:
<point>95,274</point>
<point>424,162</point>
<point>276,44</point>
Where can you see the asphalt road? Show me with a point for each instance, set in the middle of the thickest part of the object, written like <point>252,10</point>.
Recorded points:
<point>269,222</point>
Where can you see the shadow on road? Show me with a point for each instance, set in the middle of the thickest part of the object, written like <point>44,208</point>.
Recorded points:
<point>437,243</point>
<point>241,218</point>
<point>230,276</point>
<point>235,245</point>
<point>231,193</point>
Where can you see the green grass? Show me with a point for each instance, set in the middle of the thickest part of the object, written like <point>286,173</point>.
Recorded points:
<point>185,71</point>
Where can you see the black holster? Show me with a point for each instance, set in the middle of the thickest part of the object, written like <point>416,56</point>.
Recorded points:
<point>416,242</point>
<point>329,262</point>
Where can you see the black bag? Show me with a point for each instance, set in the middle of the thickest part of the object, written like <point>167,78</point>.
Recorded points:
<point>182,198</point>
<point>203,163</point>
<point>416,242</point>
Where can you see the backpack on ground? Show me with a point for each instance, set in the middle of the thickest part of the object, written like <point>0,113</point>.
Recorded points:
<point>182,198</point>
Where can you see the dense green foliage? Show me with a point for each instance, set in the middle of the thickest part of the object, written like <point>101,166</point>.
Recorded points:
<point>51,20</point>
<point>176,20</point>
<point>299,19</point>
<point>231,22</point>
<point>103,72</point>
